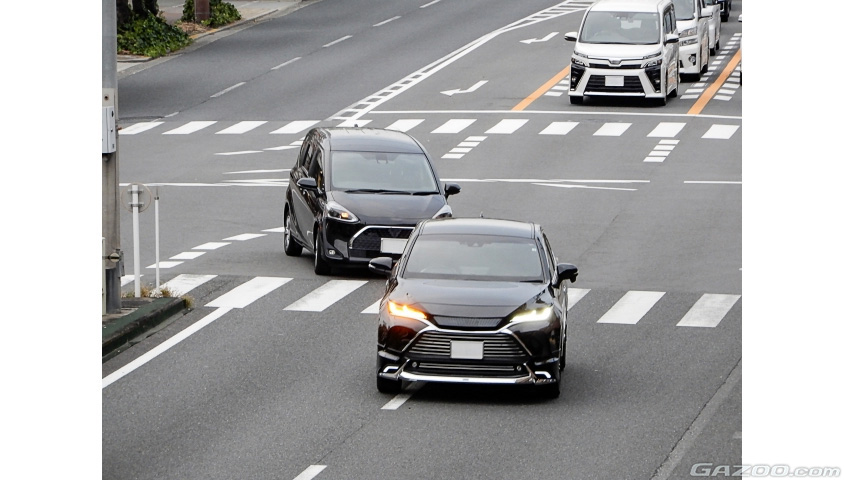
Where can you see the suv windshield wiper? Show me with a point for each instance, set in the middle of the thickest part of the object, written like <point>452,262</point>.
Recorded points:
<point>376,190</point>
<point>426,193</point>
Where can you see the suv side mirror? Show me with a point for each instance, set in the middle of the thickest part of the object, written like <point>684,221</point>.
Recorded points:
<point>307,183</point>
<point>381,266</point>
<point>451,189</point>
<point>571,36</point>
<point>567,271</point>
<point>672,38</point>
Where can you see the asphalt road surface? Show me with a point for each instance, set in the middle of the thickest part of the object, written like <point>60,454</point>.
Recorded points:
<point>272,374</point>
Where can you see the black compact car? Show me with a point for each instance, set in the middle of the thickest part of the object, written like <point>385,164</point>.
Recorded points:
<point>474,300</point>
<point>357,193</point>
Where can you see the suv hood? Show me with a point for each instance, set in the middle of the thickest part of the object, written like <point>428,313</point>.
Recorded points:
<point>389,209</point>
<point>617,52</point>
<point>461,298</point>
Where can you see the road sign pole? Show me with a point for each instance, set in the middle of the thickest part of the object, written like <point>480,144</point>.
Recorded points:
<point>157,275</point>
<point>136,206</point>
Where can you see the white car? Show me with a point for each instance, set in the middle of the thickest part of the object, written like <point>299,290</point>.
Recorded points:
<point>714,25</point>
<point>693,24</point>
<point>626,48</point>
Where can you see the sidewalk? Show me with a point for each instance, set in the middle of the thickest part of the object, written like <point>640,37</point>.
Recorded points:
<point>250,10</point>
<point>140,317</point>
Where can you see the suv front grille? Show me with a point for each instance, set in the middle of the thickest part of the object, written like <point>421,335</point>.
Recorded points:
<point>597,83</point>
<point>497,346</point>
<point>467,322</point>
<point>369,238</point>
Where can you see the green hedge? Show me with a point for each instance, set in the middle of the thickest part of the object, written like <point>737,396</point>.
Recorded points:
<point>150,36</point>
<point>222,13</point>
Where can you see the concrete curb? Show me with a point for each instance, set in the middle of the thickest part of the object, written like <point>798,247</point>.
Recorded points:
<point>147,314</point>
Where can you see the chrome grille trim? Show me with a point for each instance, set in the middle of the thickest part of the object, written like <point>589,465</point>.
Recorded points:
<point>497,346</point>
<point>394,232</point>
<point>467,322</point>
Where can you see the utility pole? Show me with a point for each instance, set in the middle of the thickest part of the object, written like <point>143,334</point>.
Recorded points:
<point>113,263</point>
<point>201,10</point>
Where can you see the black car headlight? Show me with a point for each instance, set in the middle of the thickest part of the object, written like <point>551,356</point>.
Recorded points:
<point>336,211</point>
<point>539,314</point>
<point>444,212</point>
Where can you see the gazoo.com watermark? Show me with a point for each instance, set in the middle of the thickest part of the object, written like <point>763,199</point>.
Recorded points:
<point>712,470</point>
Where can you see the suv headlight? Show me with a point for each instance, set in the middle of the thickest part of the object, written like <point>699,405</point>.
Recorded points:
<point>652,63</point>
<point>577,61</point>
<point>444,212</point>
<point>336,211</point>
<point>540,314</point>
<point>689,32</point>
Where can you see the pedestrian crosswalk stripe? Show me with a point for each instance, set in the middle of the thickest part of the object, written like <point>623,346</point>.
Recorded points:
<point>373,309</point>
<point>455,125</point>
<point>708,311</point>
<point>190,127</point>
<point>612,130</point>
<point>667,129</point>
<point>242,127</point>
<point>507,126</point>
<point>631,308</point>
<point>404,125</point>
<point>575,295</point>
<point>186,282</point>
<point>139,127</point>
<point>722,132</point>
<point>325,296</point>
<point>244,294</point>
<point>297,126</point>
<point>558,128</point>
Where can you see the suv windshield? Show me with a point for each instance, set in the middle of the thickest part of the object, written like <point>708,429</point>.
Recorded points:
<point>474,257</point>
<point>684,9</point>
<point>626,28</point>
<point>382,172</point>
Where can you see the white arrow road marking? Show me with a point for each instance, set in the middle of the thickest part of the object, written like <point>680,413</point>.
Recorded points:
<point>468,90</point>
<point>544,39</point>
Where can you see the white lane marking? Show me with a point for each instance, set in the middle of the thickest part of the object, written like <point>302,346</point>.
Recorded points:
<point>559,128</point>
<point>631,308</point>
<point>475,139</point>
<point>372,309</point>
<point>461,150</point>
<point>507,126</point>
<point>127,279</point>
<point>187,255</point>
<point>455,125</point>
<point>721,132</point>
<point>246,236</point>
<point>612,130</point>
<point>242,127</point>
<point>190,127</point>
<point>430,3</point>
<point>296,126</point>
<point>576,295</point>
<point>468,144</point>
<point>387,21</point>
<point>335,42</point>
<point>667,129</point>
<point>405,125</point>
<point>713,182</point>
<point>708,311</point>
<point>227,90</point>
<point>399,399</point>
<point>166,264</point>
<point>353,123</point>
<point>242,152</point>
<point>310,472</point>
<point>186,282</point>
<point>586,187</point>
<point>286,63</point>
<point>540,40</point>
<point>325,296</point>
<point>666,148</point>
<point>669,142</point>
<point>211,245</point>
<point>274,230</point>
<point>468,90</point>
<point>163,347</point>
<point>659,153</point>
<point>453,155</point>
<point>246,293</point>
<point>139,127</point>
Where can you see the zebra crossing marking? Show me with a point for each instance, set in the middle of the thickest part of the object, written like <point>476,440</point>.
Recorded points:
<point>559,128</point>
<point>507,126</point>
<point>325,296</point>
<point>405,125</point>
<point>297,126</point>
<point>242,127</point>
<point>721,132</point>
<point>631,308</point>
<point>246,293</point>
<point>186,282</point>
<point>139,127</point>
<point>190,127</point>
<point>708,311</point>
<point>610,129</point>
<point>455,125</point>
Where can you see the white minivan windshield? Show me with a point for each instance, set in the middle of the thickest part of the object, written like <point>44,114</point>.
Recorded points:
<point>626,28</point>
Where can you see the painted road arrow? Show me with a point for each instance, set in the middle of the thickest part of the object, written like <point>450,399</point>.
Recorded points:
<point>468,90</point>
<point>544,39</point>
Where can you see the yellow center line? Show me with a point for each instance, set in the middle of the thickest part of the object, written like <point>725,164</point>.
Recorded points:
<point>707,95</point>
<point>541,90</point>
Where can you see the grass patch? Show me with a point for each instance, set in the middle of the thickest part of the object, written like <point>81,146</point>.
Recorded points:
<point>150,36</point>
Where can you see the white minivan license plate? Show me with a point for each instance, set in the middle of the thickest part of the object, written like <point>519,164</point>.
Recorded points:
<point>393,245</point>
<point>614,81</point>
<point>467,350</point>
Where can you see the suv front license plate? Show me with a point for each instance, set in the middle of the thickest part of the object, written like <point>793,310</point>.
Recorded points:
<point>467,350</point>
<point>613,81</point>
<point>393,245</point>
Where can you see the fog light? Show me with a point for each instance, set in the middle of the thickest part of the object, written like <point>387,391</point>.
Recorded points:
<point>331,252</point>
<point>414,364</point>
<point>519,368</point>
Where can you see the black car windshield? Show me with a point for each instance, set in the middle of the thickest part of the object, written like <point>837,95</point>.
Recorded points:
<point>684,9</point>
<point>475,257</point>
<point>381,172</point>
<point>625,28</point>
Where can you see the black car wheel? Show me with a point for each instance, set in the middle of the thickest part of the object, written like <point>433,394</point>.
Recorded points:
<point>385,385</point>
<point>321,266</point>
<point>291,246</point>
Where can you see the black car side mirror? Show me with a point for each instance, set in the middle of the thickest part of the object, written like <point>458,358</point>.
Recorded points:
<point>567,271</point>
<point>451,189</point>
<point>381,266</point>
<point>307,183</point>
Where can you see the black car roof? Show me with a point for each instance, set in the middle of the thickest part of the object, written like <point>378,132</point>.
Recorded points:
<point>371,140</point>
<point>479,226</point>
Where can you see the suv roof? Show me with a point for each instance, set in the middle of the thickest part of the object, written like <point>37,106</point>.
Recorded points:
<point>478,226</point>
<point>371,140</point>
<point>629,5</point>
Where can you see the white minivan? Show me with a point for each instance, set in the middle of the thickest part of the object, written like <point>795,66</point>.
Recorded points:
<point>626,48</point>
<point>693,23</point>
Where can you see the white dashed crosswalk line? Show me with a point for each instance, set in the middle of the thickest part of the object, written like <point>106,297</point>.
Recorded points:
<point>576,294</point>
<point>455,125</point>
<point>558,128</point>
<point>241,127</point>
<point>325,296</point>
<point>139,127</point>
<point>297,126</point>
<point>190,127</point>
<point>405,125</point>
<point>507,126</point>
<point>708,311</point>
<point>667,129</point>
<point>631,308</point>
<point>612,129</point>
<point>186,282</point>
<point>722,132</point>
<point>246,293</point>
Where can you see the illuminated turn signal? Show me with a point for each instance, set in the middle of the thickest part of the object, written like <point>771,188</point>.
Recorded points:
<point>404,311</point>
